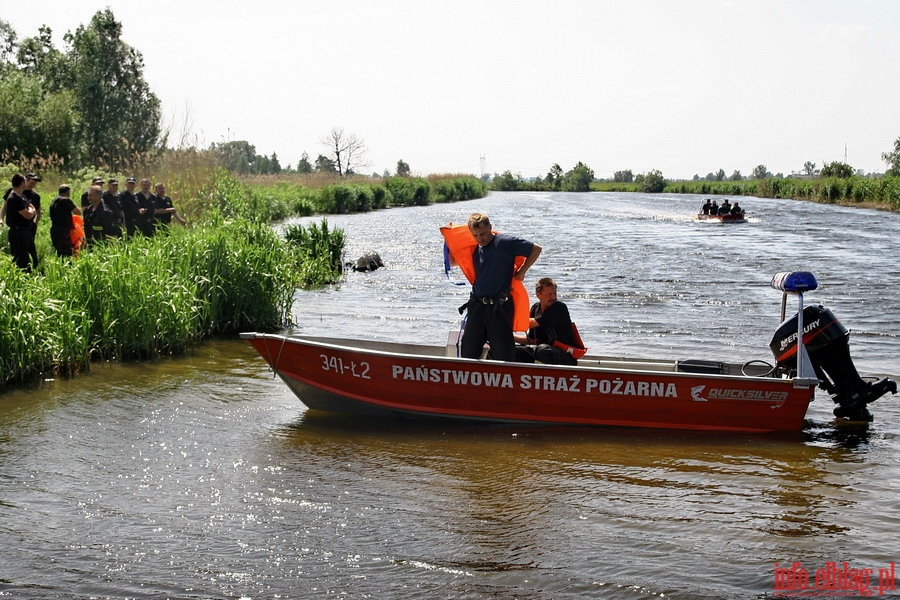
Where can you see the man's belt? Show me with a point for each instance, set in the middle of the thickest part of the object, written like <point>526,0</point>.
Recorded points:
<point>492,299</point>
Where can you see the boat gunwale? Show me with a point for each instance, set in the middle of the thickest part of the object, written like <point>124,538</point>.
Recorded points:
<point>671,367</point>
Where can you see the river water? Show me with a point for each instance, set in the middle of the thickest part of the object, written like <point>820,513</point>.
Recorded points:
<point>204,477</point>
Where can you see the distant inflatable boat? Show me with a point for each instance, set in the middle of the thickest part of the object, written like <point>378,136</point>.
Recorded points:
<point>722,219</point>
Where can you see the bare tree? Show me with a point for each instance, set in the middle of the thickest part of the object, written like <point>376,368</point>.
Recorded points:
<point>348,150</point>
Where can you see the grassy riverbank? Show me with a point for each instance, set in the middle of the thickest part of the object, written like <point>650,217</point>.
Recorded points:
<point>143,298</point>
<point>882,193</point>
<point>227,272</point>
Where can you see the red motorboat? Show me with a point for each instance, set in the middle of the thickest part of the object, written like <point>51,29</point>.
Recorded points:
<point>393,379</point>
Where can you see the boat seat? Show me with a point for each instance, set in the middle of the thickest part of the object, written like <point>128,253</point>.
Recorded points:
<point>709,367</point>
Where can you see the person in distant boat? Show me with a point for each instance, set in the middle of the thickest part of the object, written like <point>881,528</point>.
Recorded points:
<point>706,207</point>
<point>736,208</point>
<point>725,209</point>
<point>490,309</point>
<point>714,209</point>
<point>61,210</point>
<point>552,338</point>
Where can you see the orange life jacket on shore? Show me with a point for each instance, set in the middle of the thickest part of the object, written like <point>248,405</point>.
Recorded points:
<point>461,246</point>
<point>76,234</point>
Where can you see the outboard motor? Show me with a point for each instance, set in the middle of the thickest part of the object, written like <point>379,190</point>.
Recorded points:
<point>826,343</point>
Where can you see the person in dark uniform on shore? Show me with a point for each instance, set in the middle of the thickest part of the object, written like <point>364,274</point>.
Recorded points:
<point>165,208</point>
<point>552,337</point>
<point>99,220</point>
<point>61,210</point>
<point>146,218</point>
<point>111,200</point>
<point>128,202</point>
<point>85,196</point>
<point>31,180</point>
<point>490,310</point>
<point>19,216</point>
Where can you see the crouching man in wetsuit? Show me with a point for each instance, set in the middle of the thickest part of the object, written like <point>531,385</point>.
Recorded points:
<point>490,309</point>
<point>552,338</point>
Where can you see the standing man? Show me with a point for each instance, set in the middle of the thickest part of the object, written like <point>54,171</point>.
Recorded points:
<point>128,202</point>
<point>111,200</point>
<point>99,220</point>
<point>146,219</point>
<point>85,196</point>
<point>165,208</point>
<point>490,308</point>
<point>61,210</point>
<point>32,196</point>
<point>19,216</point>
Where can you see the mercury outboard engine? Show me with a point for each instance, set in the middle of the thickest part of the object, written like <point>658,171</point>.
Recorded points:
<point>826,343</point>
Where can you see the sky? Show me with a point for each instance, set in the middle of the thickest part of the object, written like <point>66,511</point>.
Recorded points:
<point>479,86</point>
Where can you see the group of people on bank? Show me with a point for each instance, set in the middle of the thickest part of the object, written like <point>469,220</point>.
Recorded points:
<point>712,208</point>
<point>106,214</point>
<point>551,338</point>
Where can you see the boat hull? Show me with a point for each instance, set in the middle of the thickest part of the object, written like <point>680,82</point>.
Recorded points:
<point>722,219</point>
<point>384,379</point>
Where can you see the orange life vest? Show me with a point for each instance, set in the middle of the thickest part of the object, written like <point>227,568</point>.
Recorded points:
<point>462,245</point>
<point>576,352</point>
<point>76,234</point>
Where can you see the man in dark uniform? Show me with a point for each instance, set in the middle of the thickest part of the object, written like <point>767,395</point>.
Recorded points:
<point>111,200</point>
<point>19,216</point>
<point>165,208</point>
<point>85,199</point>
<point>705,208</point>
<point>550,322</point>
<point>61,210</point>
<point>146,219</point>
<point>32,196</point>
<point>99,220</point>
<point>128,202</point>
<point>490,311</point>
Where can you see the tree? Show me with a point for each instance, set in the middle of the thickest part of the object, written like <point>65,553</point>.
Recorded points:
<point>736,176</point>
<point>554,177</point>
<point>325,165</point>
<point>7,44</point>
<point>720,175</point>
<point>348,151</point>
<point>237,156</point>
<point>304,166</point>
<point>653,182</point>
<point>893,159</point>
<point>579,178</point>
<point>34,122</point>
<point>837,169</point>
<point>760,172</point>
<point>120,115</point>
<point>625,176</point>
<point>402,169</point>
<point>809,168</point>
<point>507,182</point>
